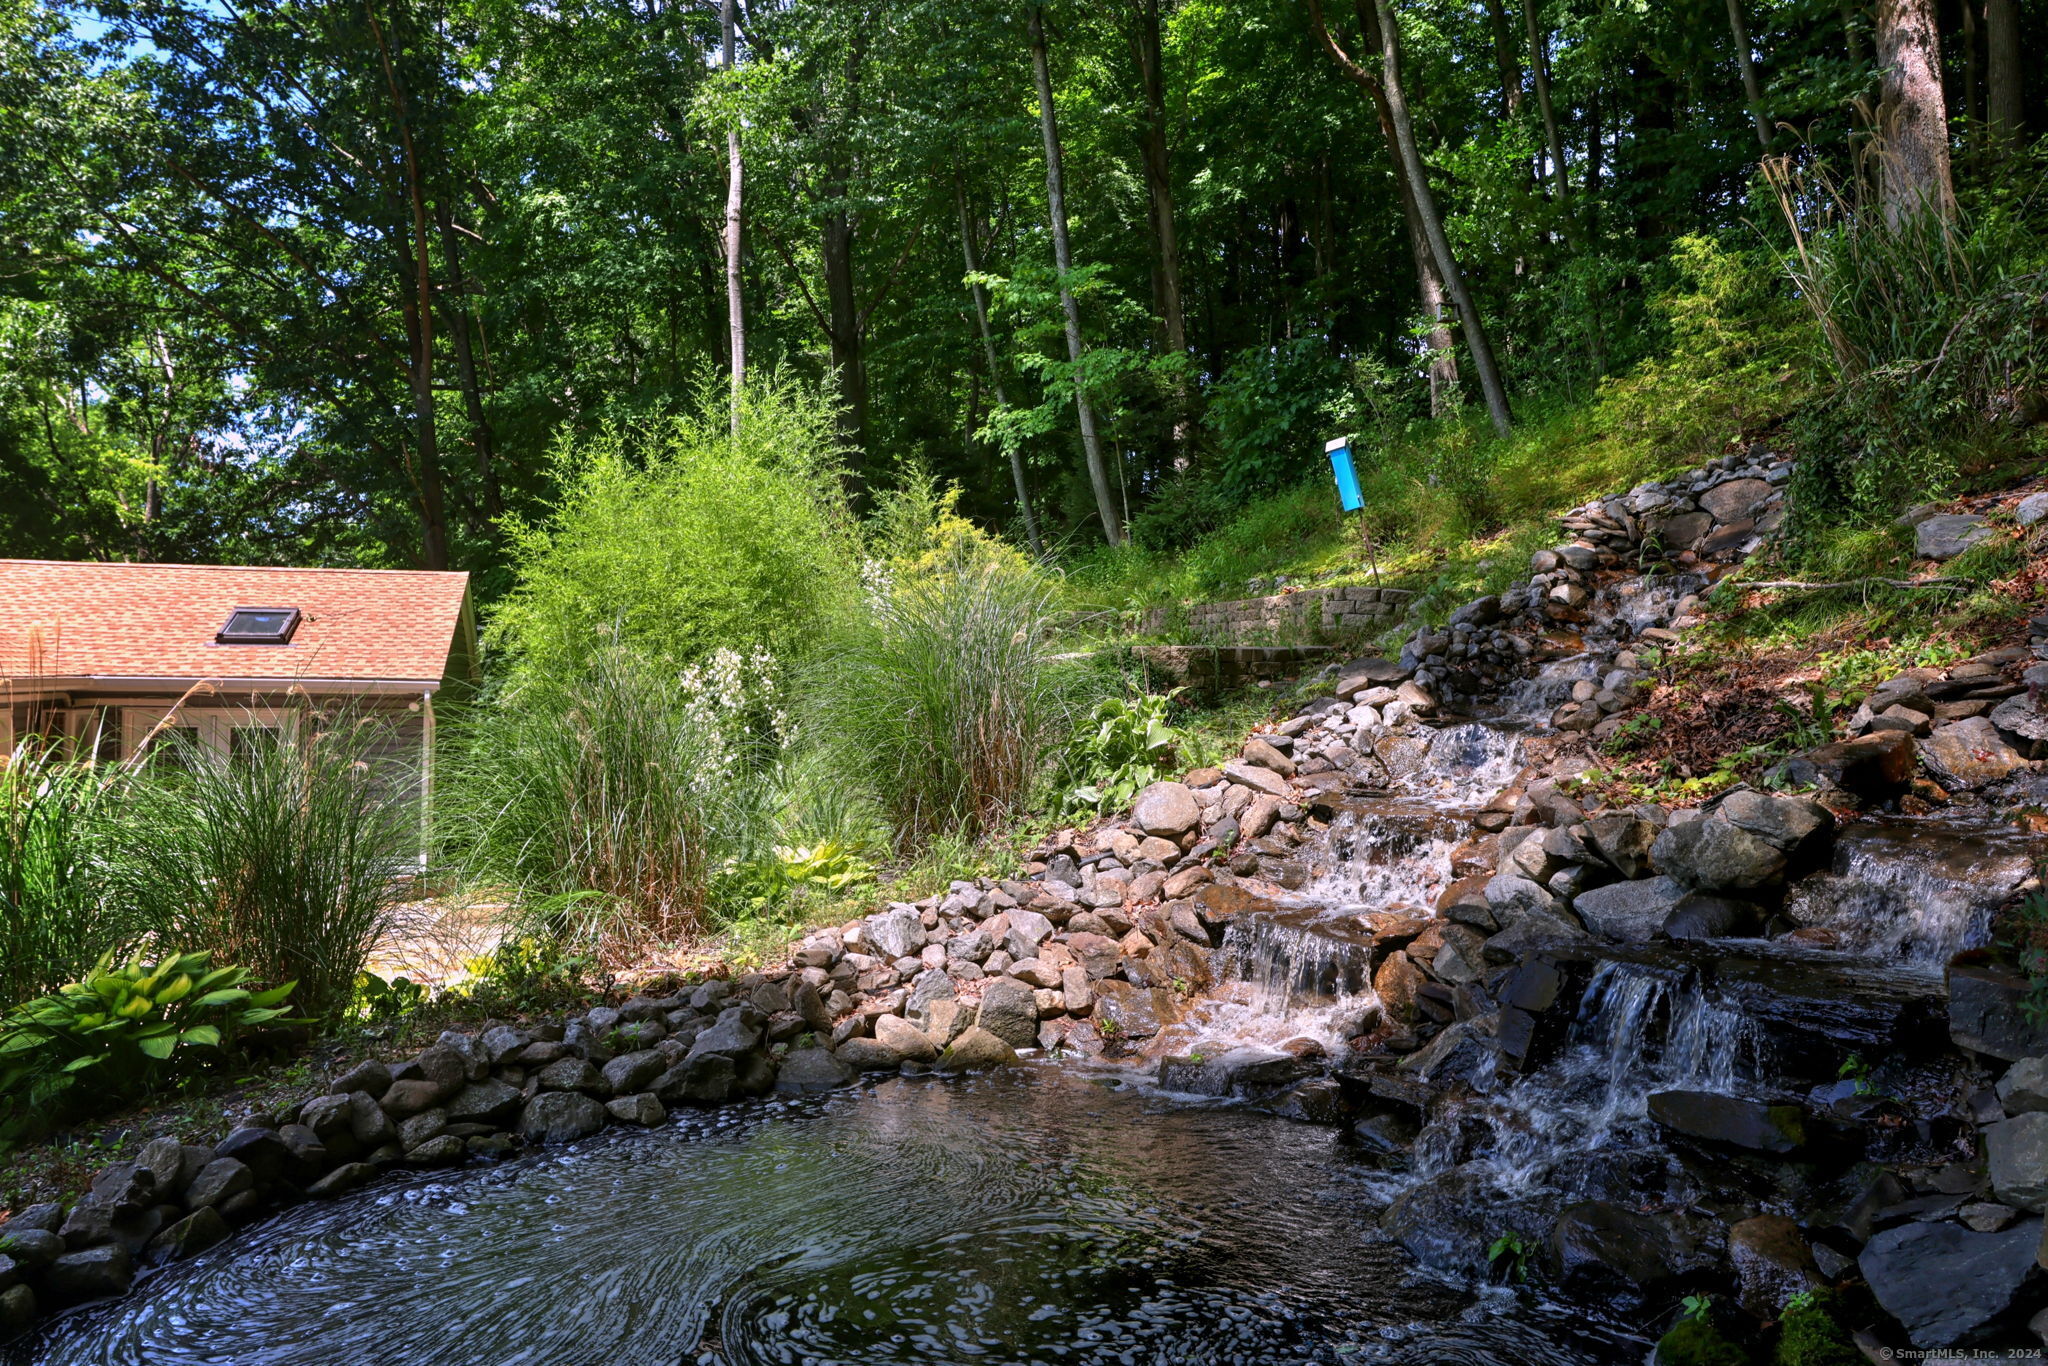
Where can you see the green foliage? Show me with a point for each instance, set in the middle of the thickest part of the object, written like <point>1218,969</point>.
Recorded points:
<point>55,915</point>
<point>686,539</point>
<point>2024,935</point>
<point>1125,745</point>
<point>1265,413</point>
<point>946,702</point>
<point>1508,1256</point>
<point>1810,1332</point>
<point>790,874</point>
<point>381,1002</point>
<point>285,857</point>
<point>528,973</point>
<point>607,799</point>
<point>123,1030</point>
<point>1695,1341</point>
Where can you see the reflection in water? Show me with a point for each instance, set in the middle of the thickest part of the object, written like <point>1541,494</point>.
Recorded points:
<point>1029,1217</point>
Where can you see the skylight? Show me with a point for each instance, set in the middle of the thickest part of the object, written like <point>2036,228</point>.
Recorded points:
<point>259,626</point>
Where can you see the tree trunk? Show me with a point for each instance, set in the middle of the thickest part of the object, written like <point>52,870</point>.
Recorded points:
<point>1504,58</point>
<point>995,369</point>
<point>842,312</point>
<point>456,306</point>
<point>1539,68</point>
<point>1913,117</point>
<point>1159,193</point>
<point>1973,85</point>
<point>1476,340</point>
<point>1852,34</point>
<point>2005,110</point>
<point>1752,85</point>
<point>1056,204</point>
<point>735,299</point>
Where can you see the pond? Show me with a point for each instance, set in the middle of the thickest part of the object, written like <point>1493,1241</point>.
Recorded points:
<point>1045,1214</point>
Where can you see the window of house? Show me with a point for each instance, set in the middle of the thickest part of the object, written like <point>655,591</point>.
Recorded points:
<point>259,626</point>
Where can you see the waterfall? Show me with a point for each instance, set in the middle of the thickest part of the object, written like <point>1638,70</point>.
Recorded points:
<point>1278,980</point>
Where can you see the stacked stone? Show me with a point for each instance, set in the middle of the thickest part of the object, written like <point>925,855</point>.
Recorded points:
<point>1352,609</point>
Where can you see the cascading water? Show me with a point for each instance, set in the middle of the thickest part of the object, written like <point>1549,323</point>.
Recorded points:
<point>1646,601</point>
<point>1282,978</point>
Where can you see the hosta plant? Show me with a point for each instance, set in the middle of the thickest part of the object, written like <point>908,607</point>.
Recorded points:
<point>126,1028</point>
<point>1125,746</point>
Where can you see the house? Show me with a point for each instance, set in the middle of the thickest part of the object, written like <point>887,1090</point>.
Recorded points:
<point>115,657</point>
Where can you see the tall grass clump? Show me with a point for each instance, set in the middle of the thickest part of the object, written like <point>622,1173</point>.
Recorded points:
<point>947,700</point>
<point>609,801</point>
<point>285,858</point>
<point>55,917</point>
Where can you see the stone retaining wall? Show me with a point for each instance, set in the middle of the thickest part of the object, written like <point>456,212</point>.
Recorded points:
<point>1354,609</point>
<point>1221,668</point>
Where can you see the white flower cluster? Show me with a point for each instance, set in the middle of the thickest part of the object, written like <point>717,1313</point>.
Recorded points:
<point>734,702</point>
<point>878,582</point>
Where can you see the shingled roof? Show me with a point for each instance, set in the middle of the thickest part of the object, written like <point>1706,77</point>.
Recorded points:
<point>129,622</point>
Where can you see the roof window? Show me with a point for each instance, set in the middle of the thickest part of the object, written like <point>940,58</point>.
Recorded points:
<point>259,626</point>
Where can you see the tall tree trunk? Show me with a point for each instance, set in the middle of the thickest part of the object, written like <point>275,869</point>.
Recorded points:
<point>1852,31</point>
<point>995,369</point>
<point>2005,110</point>
<point>455,304</point>
<point>418,308</point>
<point>1913,117</point>
<point>1752,85</point>
<point>1056,204</point>
<point>735,298</point>
<point>1159,195</point>
<point>1476,339</point>
<point>1973,84</point>
<point>1504,58</point>
<point>842,313</point>
<point>1539,69</point>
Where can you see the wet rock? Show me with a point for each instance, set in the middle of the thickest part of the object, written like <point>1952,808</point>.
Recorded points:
<point>17,1311</point>
<point>490,1102</point>
<point>1968,754</point>
<point>976,1050</point>
<point>1603,1249</point>
<point>1800,828</point>
<point>1987,1014</point>
<point>870,1055</point>
<point>1009,1010</point>
<point>1531,932</point>
<point>1239,1071</point>
<point>1167,810</point>
<point>702,1080</point>
<point>95,1273</point>
<point>32,1249</point>
<point>641,1109</point>
<point>2017,1150</point>
<point>443,1151</point>
<point>560,1117</point>
<point>1948,1286</point>
<point>343,1179</point>
<point>1123,1011</point>
<point>1733,1120</point>
<point>1700,915</point>
<point>809,1070</point>
<point>1629,912</point>
<point>1458,1053</point>
<point>1716,855</point>
<point>1945,536</point>
<point>2023,1090</point>
<point>218,1181</point>
<point>905,1039</point>
<point>1772,1263</point>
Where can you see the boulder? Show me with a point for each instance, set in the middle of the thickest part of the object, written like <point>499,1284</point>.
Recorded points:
<point>1009,1010</point>
<point>1987,1012</point>
<point>2022,723</point>
<point>1123,1011</point>
<point>343,1179</point>
<point>1257,779</point>
<point>263,1151</point>
<point>1772,1263</point>
<point>729,1035</point>
<point>2017,1149</point>
<point>95,1273</point>
<point>1949,1286</point>
<point>1237,1071</point>
<point>630,1072</point>
<point>905,1039</point>
<point>1028,929</point>
<point>1733,1120</point>
<point>809,1070</point>
<point>1701,915</point>
<point>1716,855</point>
<point>1968,754</point>
<point>897,932</point>
<point>1624,841</point>
<point>218,1181</point>
<point>203,1229</point>
<point>1736,500</point>
<point>1605,1249</point>
<point>1260,752</point>
<point>2032,508</point>
<point>560,1117</point>
<point>1629,912</point>
<point>2023,1090</point>
<point>640,1108</point>
<point>491,1102</point>
<point>976,1050</point>
<point>1167,810</point>
<point>872,1055</point>
<point>1872,767</point>
<point>705,1079</point>
<point>1798,827</point>
<point>1945,536</point>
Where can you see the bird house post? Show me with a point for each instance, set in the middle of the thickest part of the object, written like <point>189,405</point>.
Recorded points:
<point>1349,495</point>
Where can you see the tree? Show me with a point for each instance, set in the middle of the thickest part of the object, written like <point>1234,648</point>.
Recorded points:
<point>1913,115</point>
<point>979,293</point>
<point>1752,86</point>
<point>1145,49</point>
<point>735,293</point>
<point>1063,256</point>
<point>2005,104</point>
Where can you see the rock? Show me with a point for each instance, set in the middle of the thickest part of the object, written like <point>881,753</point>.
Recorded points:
<point>443,1151</point>
<point>1794,825</point>
<point>1258,751</point>
<point>343,1179</point>
<point>1700,915</point>
<point>1735,500</point>
<point>96,1273</point>
<point>730,1035</point>
<point>897,932</point>
<point>1873,767</point>
<point>1624,841</point>
<point>1629,912</point>
<point>261,1150</point>
<point>1601,1248</point>
<point>1009,1011</point>
<point>1987,1013</point>
<point>1716,855</point>
<point>1123,1011</point>
<point>1948,1286</point>
<point>808,1070</point>
<point>1772,1263</point>
<point>560,1117</point>
<point>2022,723</point>
<point>368,1124</point>
<point>31,1249</point>
<point>1167,810</point>
<point>17,1312</point>
<point>2023,1090</point>
<point>2031,509</point>
<point>975,1050</point>
<point>1238,1071</point>
<point>1257,779</point>
<point>640,1108</point>
<point>1968,754</point>
<point>928,989</point>
<point>1510,898</point>
<point>1733,1120</point>
<point>421,1128</point>
<point>1946,536</point>
<point>573,1074</point>
<point>371,1076</point>
<point>218,1181</point>
<point>409,1097</point>
<point>904,1039</point>
<point>491,1102</point>
<point>1028,929</point>
<point>630,1072</point>
<point>703,1080</point>
<point>872,1055</point>
<point>2017,1149</point>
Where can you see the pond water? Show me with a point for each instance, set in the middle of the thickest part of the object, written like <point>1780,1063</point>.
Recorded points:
<point>1041,1215</point>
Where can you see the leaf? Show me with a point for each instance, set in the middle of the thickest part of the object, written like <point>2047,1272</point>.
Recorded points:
<point>220,998</point>
<point>160,1047</point>
<point>179,988</point>
<point>277,995</point>
<point>80,1064</point>
<point>204,1036</point>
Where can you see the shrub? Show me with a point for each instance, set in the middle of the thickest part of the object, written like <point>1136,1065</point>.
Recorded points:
<point>686,539</point>
<point>1125,745</point>
<point>1265,412</point>
<point>124,1030</point>
<point>608,801</point>
<point>286,858</point>
<point>55,917</point>
<point>947,701</point>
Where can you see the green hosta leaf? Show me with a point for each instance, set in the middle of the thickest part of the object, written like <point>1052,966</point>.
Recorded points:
<point>178,990</point>
<point>160,1047</point>
<point>80,1064</point>
<point>274,996</point>
<point>220,998</point>
<point>204,1036</point>
<point>256,1017</point>
<point>136,1008</point>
